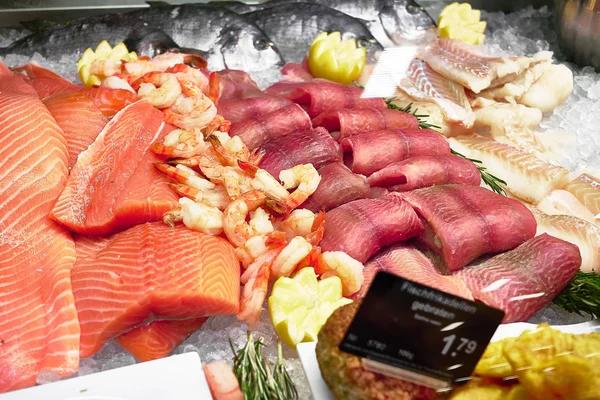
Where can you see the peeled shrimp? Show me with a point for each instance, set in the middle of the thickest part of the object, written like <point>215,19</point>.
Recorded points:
<point>291,255</point>
<point>254,294</point>
<point>105,67</point>
<point>181,143</point>
<point>266,183</point>
<point>230,150</point>
<point>139,68</point>
<point>216,197</point>
<point>183,71</point>
<point>222,382</point>
<point>304,178</point>
<point>201,217</point>
<point>185,175</point>
<point>298,223</point>
<point>114,82</point>
<point>349,270</point>
<point>236,228</point>
<point>191,109</point>
<point>160,89</point>
<point>235,181</point>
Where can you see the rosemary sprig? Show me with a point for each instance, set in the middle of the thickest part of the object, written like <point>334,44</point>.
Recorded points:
<point>582,295</point>
<point>254,375</point>
<point>495,184</point>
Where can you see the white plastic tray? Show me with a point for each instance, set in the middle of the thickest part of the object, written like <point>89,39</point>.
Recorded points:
<point>177,377</point>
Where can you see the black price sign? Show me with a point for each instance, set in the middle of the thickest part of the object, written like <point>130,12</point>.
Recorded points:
<point>419,329</point>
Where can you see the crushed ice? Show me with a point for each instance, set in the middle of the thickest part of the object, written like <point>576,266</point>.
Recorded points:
<point>523,32</point>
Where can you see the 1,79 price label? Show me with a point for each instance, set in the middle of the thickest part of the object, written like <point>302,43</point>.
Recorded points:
<point>420,329</point>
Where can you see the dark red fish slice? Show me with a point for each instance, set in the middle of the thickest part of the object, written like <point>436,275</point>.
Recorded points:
<point>463,222</point>
<point>525,279</point>
<point>423,171</point>
<point>362,227</point>
<point>344,123</point>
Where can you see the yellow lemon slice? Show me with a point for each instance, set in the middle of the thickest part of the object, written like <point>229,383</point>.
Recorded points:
<point>300,306</point>
<point>460,21</point>
<point>335,59</point>
<point>105,52</point>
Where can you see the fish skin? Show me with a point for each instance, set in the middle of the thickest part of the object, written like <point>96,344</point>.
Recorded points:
<point>527,176</point>
<point>293,27</point>
<point>152,271</point>
<point>539,268</point>
<point>228,40</point>
<point>39,329</point>
<point>390,21</point>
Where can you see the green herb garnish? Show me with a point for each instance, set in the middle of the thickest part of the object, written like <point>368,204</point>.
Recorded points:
<point>254,375</point>
<point>582,295</point>
<point>495,184</point>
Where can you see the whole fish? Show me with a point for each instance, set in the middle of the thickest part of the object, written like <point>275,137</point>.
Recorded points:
<point>390,21</point>
<point>226,39</point>
<point>293,27</point>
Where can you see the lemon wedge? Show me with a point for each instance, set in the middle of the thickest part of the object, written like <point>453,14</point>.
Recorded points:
<point>335,59</point>
<point>103,51</point>
<point>460,21</point>
<point>300,306</point>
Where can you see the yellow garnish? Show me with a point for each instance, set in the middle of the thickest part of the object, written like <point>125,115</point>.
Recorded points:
<point>300,306</point>
<point>335,59</point>
<point>460,21</point>
<point>104,52</point>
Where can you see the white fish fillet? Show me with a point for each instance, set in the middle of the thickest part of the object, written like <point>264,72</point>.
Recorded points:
<point>423,83</point>
<point>550,90</point>
<point>587,191</point>
<point>427,107</point>
<point>462,63</point>
<point>527,176</point>
<point>561,202</point>
<point>513,90</point>
<point>576,231</point>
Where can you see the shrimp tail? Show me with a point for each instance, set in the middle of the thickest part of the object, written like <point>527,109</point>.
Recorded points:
<point>317,230</point>
<point>187,162</point>
<point>195,60</point>
<point>173,216</point>
<point>254,295</point>
<point>277,207</point>
<point>214,84</point>
<point>187,191</point>
<point>249,168</point>
<point>224,156</point>
<point>276,239</point>
<point>257,155</point>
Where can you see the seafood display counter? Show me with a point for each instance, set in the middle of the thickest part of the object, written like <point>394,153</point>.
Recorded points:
<point>206,194</point>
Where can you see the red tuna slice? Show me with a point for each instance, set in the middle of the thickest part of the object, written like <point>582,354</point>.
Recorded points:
<point>525,279</point>
<point>424,171</point>
<point>237,110</point>
<point>39,330</point>
<point>152,271</point>
<point>362,227</point>
<point>79,118</point>
<point>360,120</point>
<point>148,342</point>
<point>338,186</point>
<point>463,222</point>
<point>320,95</point>
<point>237,84</point>
<point>158,339</point>
<point>44,81</point>
<point>315,146</point>
<point>372,151</point>
<point>377,192</point>
<point>114,184</point>
<point>293,72</point>
<point>256,131</point>
<point>407,262</point>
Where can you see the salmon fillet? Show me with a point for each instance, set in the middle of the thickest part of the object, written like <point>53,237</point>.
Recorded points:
<point>79,118</point>
<point>114,185</point>
<point>153,272</point>
<point>148,342</point>
<point>39,330</point>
